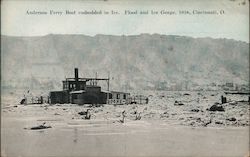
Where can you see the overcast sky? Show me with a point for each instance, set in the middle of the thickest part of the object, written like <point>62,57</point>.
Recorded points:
<point>232,24</point>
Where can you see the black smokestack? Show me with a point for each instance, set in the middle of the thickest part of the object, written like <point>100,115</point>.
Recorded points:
<point>77,79</point>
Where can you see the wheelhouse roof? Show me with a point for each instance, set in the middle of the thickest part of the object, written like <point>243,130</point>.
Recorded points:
<point>78,92</point>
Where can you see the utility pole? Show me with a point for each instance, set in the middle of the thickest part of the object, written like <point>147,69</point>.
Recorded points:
<point>96,78</point>
<point>108,80</point>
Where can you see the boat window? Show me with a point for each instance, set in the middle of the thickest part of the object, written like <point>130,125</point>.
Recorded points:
<point>74,96</point>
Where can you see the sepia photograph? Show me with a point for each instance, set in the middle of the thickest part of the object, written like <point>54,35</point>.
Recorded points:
<point>113,78</point>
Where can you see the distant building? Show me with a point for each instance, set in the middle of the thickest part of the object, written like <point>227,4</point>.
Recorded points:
<point>228,86</point>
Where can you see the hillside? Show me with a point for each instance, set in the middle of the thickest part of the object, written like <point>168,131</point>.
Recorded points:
<point>135,62</point>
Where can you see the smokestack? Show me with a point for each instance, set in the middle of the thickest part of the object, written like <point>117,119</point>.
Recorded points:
<point>77,79</point>
<point>76,73</point>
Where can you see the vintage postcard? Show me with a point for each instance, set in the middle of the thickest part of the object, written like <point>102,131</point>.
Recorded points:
<point>124,78</point>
